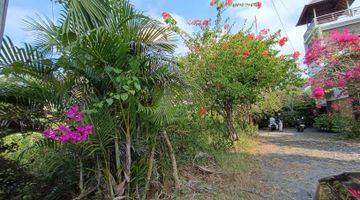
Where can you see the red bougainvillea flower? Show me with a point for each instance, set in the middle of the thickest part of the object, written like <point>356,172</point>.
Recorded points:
<point>265,53</point>
<point>259,5</point>
<point>205,22</point>
<point>296,55</point>
<point>251,36</point>
<point>166,15</point>
<point>225,45</point>
<point>283,40</point>
<point>229,2</point>
<point>203,111</point>
<point>196,22</point>
<point>319,92</point>
<point>335,106</point>
<point>246,54</point>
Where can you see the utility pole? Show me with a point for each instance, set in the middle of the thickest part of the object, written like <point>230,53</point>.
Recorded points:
<point>3,10</point>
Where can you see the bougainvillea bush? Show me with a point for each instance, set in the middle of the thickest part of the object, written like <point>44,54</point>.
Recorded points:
<point>73,131</point>
<point>231,68</point>
<point>334,68</point>
<point>334,64</point>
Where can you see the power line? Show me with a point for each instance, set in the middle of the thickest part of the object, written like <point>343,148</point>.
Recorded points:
<point>282,24</point>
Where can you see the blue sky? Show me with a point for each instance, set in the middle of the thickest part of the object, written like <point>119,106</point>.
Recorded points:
<point>182,10</point>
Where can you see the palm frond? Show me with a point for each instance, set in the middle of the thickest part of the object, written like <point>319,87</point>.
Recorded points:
<point>45,31</point>
<point>82,16</point>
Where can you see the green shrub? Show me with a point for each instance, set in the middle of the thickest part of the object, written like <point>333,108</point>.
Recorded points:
<point>324,122</point>
<point>15,181</point>
<point>347,127</point>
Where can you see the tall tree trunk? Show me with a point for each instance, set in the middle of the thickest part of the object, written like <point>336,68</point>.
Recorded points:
<point>229,120</point>
<point>149,172</point>
<point>117,157</point>
<point>173,159</point>
<point>127,168</point>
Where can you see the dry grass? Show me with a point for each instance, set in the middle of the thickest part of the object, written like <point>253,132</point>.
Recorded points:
<point>239,176</point>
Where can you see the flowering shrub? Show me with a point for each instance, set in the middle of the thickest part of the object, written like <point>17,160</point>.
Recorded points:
<point>74,131</point>
<point>233,69</point>
<point>333,62</point>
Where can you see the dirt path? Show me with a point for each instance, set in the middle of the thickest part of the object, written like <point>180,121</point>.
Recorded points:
<point>293,162</point>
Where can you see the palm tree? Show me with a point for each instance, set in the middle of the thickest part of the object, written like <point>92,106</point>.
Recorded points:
<point>114,62</point>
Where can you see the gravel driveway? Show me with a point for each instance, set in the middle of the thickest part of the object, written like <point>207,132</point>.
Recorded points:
<point>293,162</point>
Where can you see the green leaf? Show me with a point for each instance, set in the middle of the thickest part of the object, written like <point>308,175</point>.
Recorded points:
<point>99,105</point>
<point>132,92</point>
<point>137,86</point>
<point>117,96</point>
<point>126,87</point>
<point>124,96</point>
<point>108,69</point>
<point>109,101</point>
<point>118,71</point>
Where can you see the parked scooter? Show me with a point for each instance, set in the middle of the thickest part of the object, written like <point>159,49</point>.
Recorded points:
<point>300,125</point>
<point>279,122</point>
<point>272,124</point>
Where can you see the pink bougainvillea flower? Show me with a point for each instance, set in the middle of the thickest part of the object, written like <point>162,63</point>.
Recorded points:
<point>212,2</point>
<point>166,15</point>
<point>296,55</point>
<point>283,40</point>
<point>63,128</point>
<point>229,2</point>
<point>311,81</point>
<point>355,192</point>
<point>319,92</point>
<point>315,50</point>
<point>246,54</point>
<point>74,114</point>
<point>70,133</point>
<point>345,37</point>
<point>329,83</point>
<point>341,83</point>
<point>48,133</point>
<point>349,75</point>
<point>259,4</point>
<point>264,31</point>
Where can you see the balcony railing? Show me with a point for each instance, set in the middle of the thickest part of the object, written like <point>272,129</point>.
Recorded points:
<point>331,17</point>
<point>335,16</point>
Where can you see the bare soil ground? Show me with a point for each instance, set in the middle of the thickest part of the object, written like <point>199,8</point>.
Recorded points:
<point>292,163</point>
